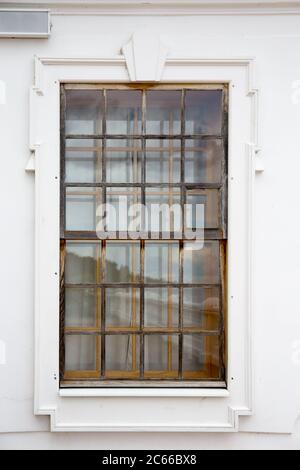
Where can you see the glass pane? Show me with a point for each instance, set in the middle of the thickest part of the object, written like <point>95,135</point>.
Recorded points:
<point>123,161</point>
<point>164,212</point>
<point>82,262</point>
<point>201,262</point>
<point>163,112</point>
<point>161,355</point>
<point>161,262</point>
<point>124,112</point>
<point>122,354</point>
<point>122,307</point>
<point>203,161</point>
<point>82,306</point>
<point>83,161</point>
<point>84,112</point>
<point>201,307</point>
<point>200,356</point>
<point>80,352</point>
<point>81,208</point>
<point>203,112</point>
<point>22,22</point>
<point>120,215</point>
<point>202,202</point>
<point>161,307</point>
<point>122,262</point>
<point>163,161</point>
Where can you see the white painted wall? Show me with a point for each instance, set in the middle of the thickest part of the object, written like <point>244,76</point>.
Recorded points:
<point>274,41</point>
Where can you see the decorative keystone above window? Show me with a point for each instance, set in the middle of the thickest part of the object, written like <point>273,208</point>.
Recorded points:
<point>145,45</point>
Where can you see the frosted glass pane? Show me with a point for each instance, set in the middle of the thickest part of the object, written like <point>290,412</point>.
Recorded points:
<point>24,22</point>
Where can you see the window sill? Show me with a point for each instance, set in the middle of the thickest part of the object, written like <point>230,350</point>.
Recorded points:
<point>218,391</point>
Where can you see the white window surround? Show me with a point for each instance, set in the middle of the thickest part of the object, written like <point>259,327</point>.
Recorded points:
<point>134,409</point>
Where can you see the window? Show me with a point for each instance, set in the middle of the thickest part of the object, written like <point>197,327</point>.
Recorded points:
<point>143,304</point>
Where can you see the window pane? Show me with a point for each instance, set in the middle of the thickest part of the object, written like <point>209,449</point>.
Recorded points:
<point>201,307</point>
<point>119,213</point>
<point>122,356</point>
<point>201,262</point>
<point>203,161</point>
<point>83,161</point>
<point>124,112</point>
<point>164,212</point>
<point>81,208</point>
<point>84,111</point>
<point>80,352</point>
<point>200,356</point>
<point>161,307</point>
<point>161,262</point>
<point>123,161</point>
<point>82,262</point>
<point>163,112</point>
<point>202,202</point>
<point>122,262</point>
<point>82,306</point>
<point>163,161</point>
<point>161,355</point>
<point>122,307</point>
<point>203,112</point>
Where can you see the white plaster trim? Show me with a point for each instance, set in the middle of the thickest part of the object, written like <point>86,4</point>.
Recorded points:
<point>38,91</point>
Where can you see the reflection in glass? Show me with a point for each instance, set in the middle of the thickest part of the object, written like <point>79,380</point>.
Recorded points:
<point>122,262</point>
<point>82,260</point>
<point>122,307</point>
<point>82,306</point>
<point>164,212</point>
<point>163,112</point>
<point>83,161</point>
<point>201,262</point>
<point>120,213</point>
<point>163,161</point>
<point>203,161</point>
<point>84,112</point>
<point>123,161</point>
<point>200,356</point>
<point>203,112</point>
<point>161,262</point>
<point>201,307</point>
<point>81,208</point>
<point>122,353</point>
<point>124,112</point>
<point>161,307</point>
<point>201,203</point>
<point>161,354</point>
<point>80,352</point>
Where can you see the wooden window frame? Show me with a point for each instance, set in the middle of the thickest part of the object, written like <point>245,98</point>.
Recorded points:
<point>140,378</point>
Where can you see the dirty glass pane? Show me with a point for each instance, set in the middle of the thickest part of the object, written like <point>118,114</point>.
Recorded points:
<point>163,112</point>
<point>161,262</point>
<point>201,307</point>
<point>123,161</point>
<point>161,307</point>
<point>163,160</point>
<point>201,262</point>
<point>80,352</point>
<point>122,307</point>
<point>82,306</point>
<point>124,112</point>
<point>81,208</point>
<point>83,161</point>
<point>122,354</point>
<point>200,356</point>
<point>122,262</point>
<point>203,161</point>
<point>203,112</point>
<point>161,355</point>
<point>84,112</point>
<point>82,263</point>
